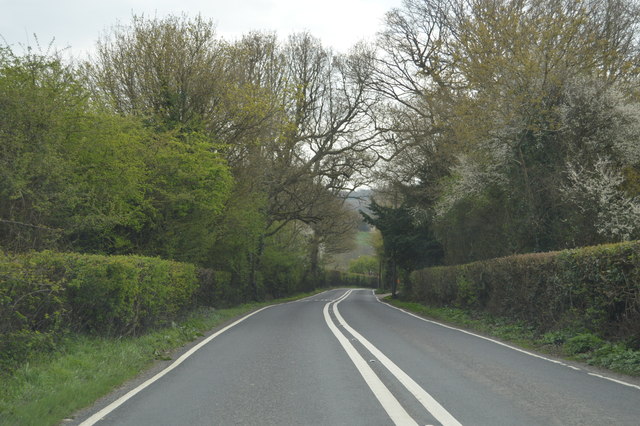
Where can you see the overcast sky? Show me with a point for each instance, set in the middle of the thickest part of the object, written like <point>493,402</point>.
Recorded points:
<point>79,23</point>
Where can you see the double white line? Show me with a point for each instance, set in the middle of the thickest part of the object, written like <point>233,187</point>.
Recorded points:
<point>390,404</point>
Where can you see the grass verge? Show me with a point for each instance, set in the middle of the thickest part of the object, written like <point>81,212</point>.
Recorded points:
<point>571,344</point>
<point>51,387</point>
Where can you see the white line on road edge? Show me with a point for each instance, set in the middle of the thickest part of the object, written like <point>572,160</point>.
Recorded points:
<point>390,404</point>
<point>115,404</point>
<point>427,401</point>
<point>508,346</point>
<point>614,380</point>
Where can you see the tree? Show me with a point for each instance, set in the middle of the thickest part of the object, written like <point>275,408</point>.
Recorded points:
<point>408,243</point>
<point>367,265</point>
<point>327,139</point>
<point>188,187</point>
<point>333,233</point>
<point>477,92</point>
<point>70,174</point>
<point>168,71</point>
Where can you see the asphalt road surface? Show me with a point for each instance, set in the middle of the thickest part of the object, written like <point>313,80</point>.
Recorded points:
<point>344,358</point>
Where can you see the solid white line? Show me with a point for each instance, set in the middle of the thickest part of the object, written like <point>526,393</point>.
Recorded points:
<point>314,296</point>
<point>427,401</point>
<point>507,346</point>
<point>614,380</point>
<point>390,404</point>
<point>115,404</point>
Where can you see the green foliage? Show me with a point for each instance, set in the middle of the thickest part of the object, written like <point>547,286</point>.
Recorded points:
<point>103,197</point>
<point>406,241</point>
<point>37,102</point>
<point>216,289</point>
<point>367,265</point>
<point>282,273</point>
<point>75,176</point>
<point>69,174</point>
<point>44,295</point>
<point>124,295</point>
<point>467,295</point>
<point>582,343</point>
<point>518,121</point>
<point>83,368</point>
<point>616,357</point>
<point>346,279</point>
<point>188,187</point>
<point>594,289</point>
<point>284,263</point>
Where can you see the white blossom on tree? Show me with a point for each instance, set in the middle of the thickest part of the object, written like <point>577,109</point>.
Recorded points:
<point>596,192</point>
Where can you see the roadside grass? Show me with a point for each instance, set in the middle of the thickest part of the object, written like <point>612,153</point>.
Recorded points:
<point>51,387</point>
<point>570,344</point>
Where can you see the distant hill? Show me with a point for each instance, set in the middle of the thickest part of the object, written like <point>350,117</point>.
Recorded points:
<point>357,200</point>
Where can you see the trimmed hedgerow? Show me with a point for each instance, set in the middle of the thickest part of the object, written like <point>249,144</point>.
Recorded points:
<point>45,294</point>
<point>596,289</point>
<point>90,293</point>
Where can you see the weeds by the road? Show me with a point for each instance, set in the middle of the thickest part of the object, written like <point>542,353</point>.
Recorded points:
<point>51,387</point>
<point>571,344</point>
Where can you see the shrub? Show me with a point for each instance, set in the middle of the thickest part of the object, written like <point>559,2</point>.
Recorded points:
<point>594,288</point>
<point>366,265</point>
<point>585,342</point>
<point>45,294</point>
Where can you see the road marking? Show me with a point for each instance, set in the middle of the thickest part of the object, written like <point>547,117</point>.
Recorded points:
<point>312,298</point>
<point>427,401</point>
<point>564,364</point>
<point>398,415</point>
<point>115,404</point>
<point>614,380</point>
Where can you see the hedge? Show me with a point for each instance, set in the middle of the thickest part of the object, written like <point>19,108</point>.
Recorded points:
<point>595,289</point>
<point>45,294</point>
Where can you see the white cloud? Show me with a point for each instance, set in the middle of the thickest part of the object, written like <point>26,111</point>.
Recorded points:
<point>78,23</point>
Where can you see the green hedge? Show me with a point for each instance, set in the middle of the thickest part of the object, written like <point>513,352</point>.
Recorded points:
<point>45,294</point>
<point>596,289</point>
<point>110,295</point>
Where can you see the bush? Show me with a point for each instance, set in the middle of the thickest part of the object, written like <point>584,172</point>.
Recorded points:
<point>596,289</point>
<point>121,295</point>
<point>585,342</point>
<point>45,294</point>
<point>366,265</point>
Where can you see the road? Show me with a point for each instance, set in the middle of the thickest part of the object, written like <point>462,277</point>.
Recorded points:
<point>344,358</point>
